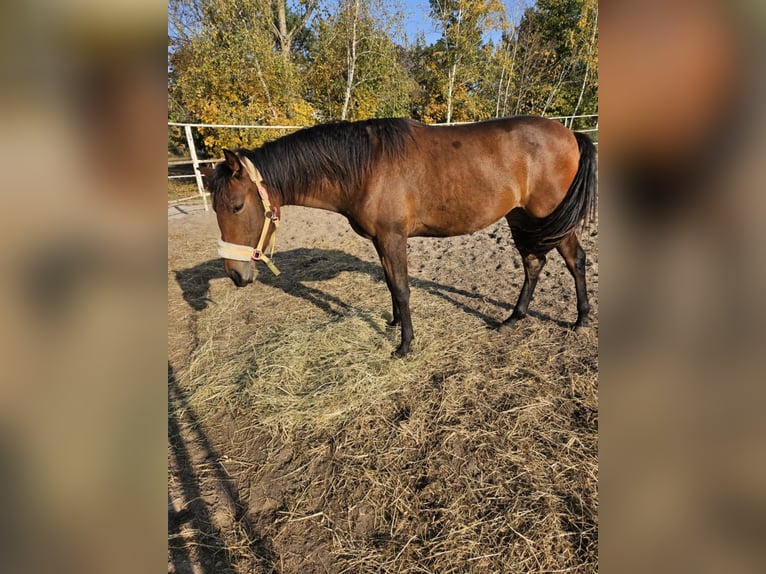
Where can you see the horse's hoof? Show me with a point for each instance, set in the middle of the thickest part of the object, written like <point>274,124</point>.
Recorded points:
<point>392,326</point>
<point>582,329</point>
<point>507,326</point>
<point>399,353</point>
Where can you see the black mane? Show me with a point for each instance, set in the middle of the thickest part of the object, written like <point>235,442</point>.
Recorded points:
<point>340,152</point>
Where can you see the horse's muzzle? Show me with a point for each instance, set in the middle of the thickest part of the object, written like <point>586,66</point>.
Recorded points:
<point>241,274</point>
<point>237,278</point>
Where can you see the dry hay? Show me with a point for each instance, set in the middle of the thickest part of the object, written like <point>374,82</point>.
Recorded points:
<point>299,445</point>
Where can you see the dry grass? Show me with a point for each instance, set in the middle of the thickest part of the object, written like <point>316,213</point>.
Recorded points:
<point>319,453</point>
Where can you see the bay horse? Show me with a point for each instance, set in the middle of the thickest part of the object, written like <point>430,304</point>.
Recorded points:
<point>398,178</point>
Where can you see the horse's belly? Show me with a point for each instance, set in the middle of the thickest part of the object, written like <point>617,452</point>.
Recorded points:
<point>457,202</point>
<point>445,222</point>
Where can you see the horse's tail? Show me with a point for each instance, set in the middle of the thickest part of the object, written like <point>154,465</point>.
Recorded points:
<point>577,207</point>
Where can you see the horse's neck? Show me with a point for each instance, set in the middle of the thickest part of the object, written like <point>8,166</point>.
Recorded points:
<point>326,197</point>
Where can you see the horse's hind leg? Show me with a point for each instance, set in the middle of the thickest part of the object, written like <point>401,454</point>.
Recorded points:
<point>533,264</point>
<point>574,256</point>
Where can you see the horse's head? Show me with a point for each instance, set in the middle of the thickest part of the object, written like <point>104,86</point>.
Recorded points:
<point>241,214</point>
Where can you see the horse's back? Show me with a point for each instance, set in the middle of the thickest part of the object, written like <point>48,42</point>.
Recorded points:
<point>458,179</point>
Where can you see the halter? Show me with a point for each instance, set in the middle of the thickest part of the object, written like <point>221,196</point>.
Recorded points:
<point>271,215</point>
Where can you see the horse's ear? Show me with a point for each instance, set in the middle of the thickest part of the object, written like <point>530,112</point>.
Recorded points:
<point>232,161</point>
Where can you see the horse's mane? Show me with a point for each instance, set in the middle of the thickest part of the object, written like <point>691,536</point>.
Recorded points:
<point>340,152</point>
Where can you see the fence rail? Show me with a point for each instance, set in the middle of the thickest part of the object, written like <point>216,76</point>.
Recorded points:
<point>195,161</point>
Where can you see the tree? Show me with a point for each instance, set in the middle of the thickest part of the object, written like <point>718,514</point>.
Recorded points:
<point>459,53</point>
<point>588,54</point>
<point>556,46</point>
<point>356,69</point>
<point>226,66</point>
<point>285,27</point>
<point>299,62</point>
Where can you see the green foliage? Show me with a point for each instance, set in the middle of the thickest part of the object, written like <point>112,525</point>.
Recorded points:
<point>354,57</point>
<point>229,70</point>
<point>555,44</point>
<point>455,65</point>
<point>277,63</point>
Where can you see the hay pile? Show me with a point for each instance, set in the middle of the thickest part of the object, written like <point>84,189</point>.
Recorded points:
<point>298,445</point>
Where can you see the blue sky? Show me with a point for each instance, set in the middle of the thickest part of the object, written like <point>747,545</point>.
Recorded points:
<point>416,17</point>
<point>416,20</point>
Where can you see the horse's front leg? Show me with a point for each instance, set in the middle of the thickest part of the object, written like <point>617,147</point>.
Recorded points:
<point>396,319</point>
<point>392,249</point>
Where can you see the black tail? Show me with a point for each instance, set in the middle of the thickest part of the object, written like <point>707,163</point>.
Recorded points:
<point>533,234</point>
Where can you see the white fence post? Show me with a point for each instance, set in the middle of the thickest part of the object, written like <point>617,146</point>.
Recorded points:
<point>195,163</point>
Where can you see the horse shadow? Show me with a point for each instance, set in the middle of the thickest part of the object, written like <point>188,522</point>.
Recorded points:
<point>303,265</point>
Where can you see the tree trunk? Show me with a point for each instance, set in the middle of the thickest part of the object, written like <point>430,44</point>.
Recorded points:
<point>450,88</point>
<point>265,87</point>
<point>508,81</point>
<point>555,89</point>
<point>285,37</point>
<point>351,61</point>
<point>499,92</point>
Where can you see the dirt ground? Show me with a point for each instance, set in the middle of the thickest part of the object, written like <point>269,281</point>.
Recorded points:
<point>297,445</point>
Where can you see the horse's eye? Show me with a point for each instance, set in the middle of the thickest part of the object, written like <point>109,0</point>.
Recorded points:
<point>238,208</point>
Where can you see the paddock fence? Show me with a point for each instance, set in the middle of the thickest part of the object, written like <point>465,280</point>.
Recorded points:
<point>190,160</point>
